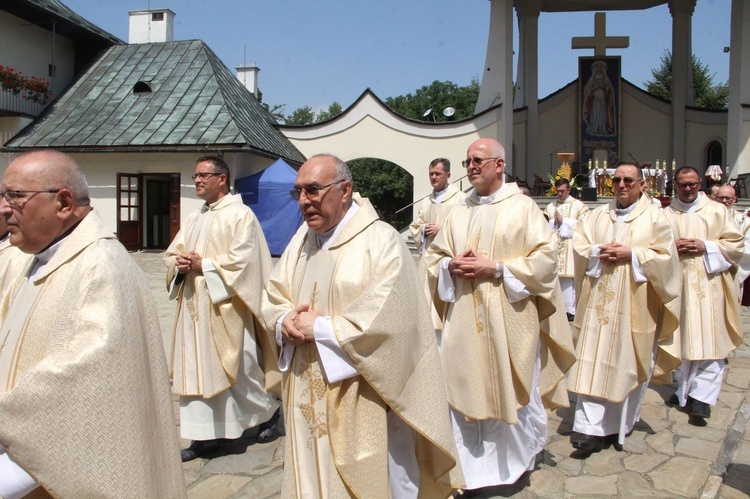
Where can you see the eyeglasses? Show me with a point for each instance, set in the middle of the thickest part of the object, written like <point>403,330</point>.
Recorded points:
<point>204,176</point>
<point>627,180</point>
<point>312,191</point>
<point>475,161</point>
<point>687,185</point>
<point>14,198</point>
<point>725,198</point>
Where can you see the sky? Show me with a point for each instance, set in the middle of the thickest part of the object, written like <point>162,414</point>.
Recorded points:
<point>314,53</point>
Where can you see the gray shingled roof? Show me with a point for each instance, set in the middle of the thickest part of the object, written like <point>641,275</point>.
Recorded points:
<point>194,101</point>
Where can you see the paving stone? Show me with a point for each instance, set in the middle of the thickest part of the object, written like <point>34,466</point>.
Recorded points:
<point>632,484</point>
<point>702,432</point>
<point>663,443</point>
<point>191,477</point>
<point>218,487</point>
<point>721,418</point>
<point>560,449</point>
<point>739,378</point>
<point>545,483</point>
<point>695,447</point>
<point>653,426</point>
<point>643,463</point>
<point>241,464</point>
<point>263,487</point>
<point>732,400</point>
<point>570,466</point>
<point>588,486</point>
<point>736,481</point>
<point>711,490</point>
<point>742,456</point>
<point>681,475</point>
<point>652,397</point>
<point>652,411</point>
<point>195,464</point>
<point>636,443</point>
<point>729,492</point>
<point>604,463</point>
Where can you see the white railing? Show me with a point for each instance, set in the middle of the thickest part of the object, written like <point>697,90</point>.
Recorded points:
<point>10,103</point>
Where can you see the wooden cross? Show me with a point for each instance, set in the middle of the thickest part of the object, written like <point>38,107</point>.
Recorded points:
<point>600,42</point>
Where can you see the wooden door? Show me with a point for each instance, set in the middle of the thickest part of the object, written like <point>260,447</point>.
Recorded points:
<point>174,207</point>
<point>129,211</point>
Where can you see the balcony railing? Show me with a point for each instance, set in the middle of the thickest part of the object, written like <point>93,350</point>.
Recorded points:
<point>17,104</point>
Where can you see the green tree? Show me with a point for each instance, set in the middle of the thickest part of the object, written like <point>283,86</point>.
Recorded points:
<point>387,185</point>
<point>707,95</point>
<point>437,96</point>
<point>276,111</point>
<point>332,111</point>
<point>301,116</point>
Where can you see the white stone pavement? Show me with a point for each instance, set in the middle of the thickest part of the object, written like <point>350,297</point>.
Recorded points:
<point>663,457</point>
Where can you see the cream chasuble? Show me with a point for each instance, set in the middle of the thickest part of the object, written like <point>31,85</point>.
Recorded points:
<point>743,222</point>
<point>432,210</point>
<point>12,262</point>
<point>572,210</point>
<point>710,316</point>
<point>619,319</point>
<point>84,392</point>
<point>367,283</point>
<point>489,345</point>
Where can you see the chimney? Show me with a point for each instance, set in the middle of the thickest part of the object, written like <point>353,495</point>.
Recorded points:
<point>248,75</point>
<point>151,26</point>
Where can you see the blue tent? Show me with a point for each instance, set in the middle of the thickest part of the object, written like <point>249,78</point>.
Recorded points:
<point>267,194</point>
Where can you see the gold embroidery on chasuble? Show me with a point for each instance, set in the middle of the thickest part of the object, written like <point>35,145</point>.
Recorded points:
<point>476,292</point>
<point>562,253</point>
<point>307,392</point>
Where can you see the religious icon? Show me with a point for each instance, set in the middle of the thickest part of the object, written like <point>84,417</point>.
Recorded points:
<point>599,102</point>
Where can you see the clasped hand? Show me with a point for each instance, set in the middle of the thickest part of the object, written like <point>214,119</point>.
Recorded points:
<point>189,262</point>
<point>690,246</point>
<point>297,326</point>
<point>471,265</point>
<point>615,252</point>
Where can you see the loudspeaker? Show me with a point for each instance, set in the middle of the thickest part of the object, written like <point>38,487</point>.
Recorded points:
<point>588,194</point>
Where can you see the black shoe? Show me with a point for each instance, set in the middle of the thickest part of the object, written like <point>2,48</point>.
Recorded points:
<point>571,317</point>
<point>269,430</point>
<point>673,400</point>
<point>200,447</point>
<point>699,409</point>
<point>588,443</point>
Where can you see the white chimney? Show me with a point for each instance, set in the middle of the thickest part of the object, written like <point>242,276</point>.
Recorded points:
<point>248,75</point>
<point>151,26</point>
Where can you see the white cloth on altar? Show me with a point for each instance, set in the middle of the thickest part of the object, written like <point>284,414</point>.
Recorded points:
<point>699,379</point>
<point>492,452</point>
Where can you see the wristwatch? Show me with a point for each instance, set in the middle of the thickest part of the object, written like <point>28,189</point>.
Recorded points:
<point>498,270</point>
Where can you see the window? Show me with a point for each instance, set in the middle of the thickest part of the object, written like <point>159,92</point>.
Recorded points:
<point>157,16</point>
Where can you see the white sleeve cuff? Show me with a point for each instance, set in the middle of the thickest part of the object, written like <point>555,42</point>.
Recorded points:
<point>287,350</point>
<point>217,290</point>
<point>334,360</point>
<point>713,259</point>
<point>446,287</point>
<point>638,274</point>
<point>14,481</point>
<point>595,265</point>
<point>566,229</point>
<point>515,290</point>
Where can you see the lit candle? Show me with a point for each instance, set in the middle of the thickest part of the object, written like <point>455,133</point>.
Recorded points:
<point>590,164</point>
<point>657,165</point>
<point>674,166</point>
<point>596,165</point>
<point>605,166</point>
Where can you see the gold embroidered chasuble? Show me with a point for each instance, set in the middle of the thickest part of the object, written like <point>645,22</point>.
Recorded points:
<point>208,338</point>
<point>85,403</point>
<point>369,283</point>
<point>710,316</point>
<point>433,211</point>
<point>489,345</point>
<point>619,321</point>
<point>571,208</point>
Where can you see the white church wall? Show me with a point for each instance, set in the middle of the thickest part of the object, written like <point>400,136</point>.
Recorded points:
<point>646,129</point>
<point>33,56</point>
<point>699,133</point>
<point>557,129</point>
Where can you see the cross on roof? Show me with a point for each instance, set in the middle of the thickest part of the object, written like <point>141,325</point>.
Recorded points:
<point>600,42</point>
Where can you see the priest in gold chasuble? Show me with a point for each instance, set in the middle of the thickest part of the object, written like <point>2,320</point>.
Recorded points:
<point>627,311</point>
<point>85,407</point>
<point>364,402</point>
<point>493,270</point>
<point>563,215</point>
<point>217,267</point>
<point>710,247</point>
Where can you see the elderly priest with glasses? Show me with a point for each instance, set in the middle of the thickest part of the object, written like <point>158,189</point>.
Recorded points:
<point>364,401</point>
<point>85,408</point>
<point>626,313</point>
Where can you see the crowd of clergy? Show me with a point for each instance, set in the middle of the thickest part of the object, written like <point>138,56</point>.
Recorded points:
<point>390,377</point>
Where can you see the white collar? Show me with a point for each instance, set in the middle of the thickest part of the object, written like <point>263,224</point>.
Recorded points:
<point>326,239</point>
<point>489,199</point>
